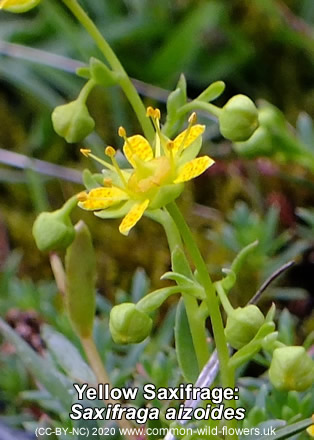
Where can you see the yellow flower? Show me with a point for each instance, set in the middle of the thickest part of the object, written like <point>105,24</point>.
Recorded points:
<point>18,5</point>
<point>310,429</point>
<point>156,177</point>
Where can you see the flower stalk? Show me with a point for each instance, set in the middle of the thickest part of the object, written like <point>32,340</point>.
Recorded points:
<point>115,64</point>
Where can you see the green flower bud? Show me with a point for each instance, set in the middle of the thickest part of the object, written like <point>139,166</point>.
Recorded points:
<point>238,119</point>
<point>72,121</point>
<point>80,270</point>
<point>242,325</point>
<point>128,325</point>
<point>18,6</point>
<point>259,144</point>
<point>291,369</point>
<point>54,230</point>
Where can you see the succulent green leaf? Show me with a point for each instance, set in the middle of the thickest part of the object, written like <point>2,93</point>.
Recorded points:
<point>212,92</point>
<point>184,345</point>
<point>80,268</point>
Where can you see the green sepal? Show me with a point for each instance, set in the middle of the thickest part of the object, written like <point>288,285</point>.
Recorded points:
<point>91,180</point>
<point>212,92</point>
<point>252,348</point>
<point>117,212</point>
<point>101,74</point>
<point>165,195</point>
<point>80,269</point>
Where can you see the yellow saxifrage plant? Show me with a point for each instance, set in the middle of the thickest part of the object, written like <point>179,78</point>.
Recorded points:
<point>156,176</point>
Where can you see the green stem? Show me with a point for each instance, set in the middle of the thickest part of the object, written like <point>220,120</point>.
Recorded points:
<point>223,298</point>
<point>199,105</point>
<point>88,87</point>
<point>115,64</point>
<point>69,205</point>
<point>226,373</point>
<point>196,322</point>
<point>103,378</point>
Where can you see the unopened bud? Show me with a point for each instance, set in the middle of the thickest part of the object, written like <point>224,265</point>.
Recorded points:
<point>238,118</point>
<point>54,231</point>
<point>72,121</point>
<point>128,325</point>
<point>242,325</point>
<point>291,369</point>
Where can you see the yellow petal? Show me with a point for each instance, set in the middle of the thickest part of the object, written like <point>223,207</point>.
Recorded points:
<point>137,146</point>
<point>310,429</point>
<point>194,132</point>
<point>102,198</point>
<point>133,216</point>
<point>18,5</point>
<point>193,169</point>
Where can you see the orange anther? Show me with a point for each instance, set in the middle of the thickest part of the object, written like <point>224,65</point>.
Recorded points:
<point>122,132</point>
<point>110,151</point>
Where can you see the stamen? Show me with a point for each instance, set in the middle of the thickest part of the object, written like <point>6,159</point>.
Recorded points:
<point>111,152</point>
<point>154,114</point>
<point>157,113</point>
<point>87,153</point>
<point>122,132</point>
<point>192,119</point>
<point>150,112</point>
<point>170,146</point>
<point>107,182</point>
<point>82,196</point>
